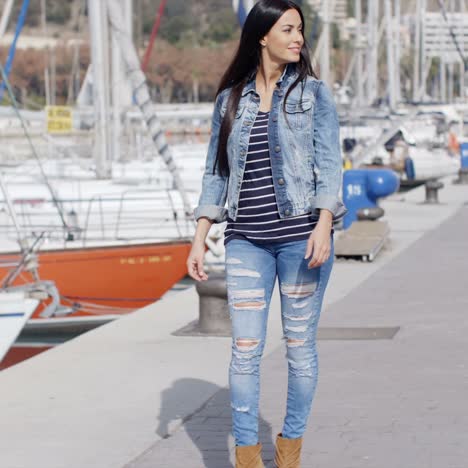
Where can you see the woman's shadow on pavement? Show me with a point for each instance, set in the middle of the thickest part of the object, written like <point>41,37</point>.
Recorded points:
<point>209,427</point>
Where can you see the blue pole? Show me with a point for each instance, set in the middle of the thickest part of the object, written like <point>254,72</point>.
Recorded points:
<point>11,52</point>
<point>242,9</point>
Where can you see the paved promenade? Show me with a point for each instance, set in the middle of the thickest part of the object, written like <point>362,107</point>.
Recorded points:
<point>392,386</point>
<point>380,403</point>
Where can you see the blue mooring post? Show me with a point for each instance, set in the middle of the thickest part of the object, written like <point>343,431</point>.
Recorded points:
<point>463,172</point>
<point>363,187</point>
<point>464,155</point>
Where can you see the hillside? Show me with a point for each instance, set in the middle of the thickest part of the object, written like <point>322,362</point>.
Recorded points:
<point>195,43</point>
<point>199,21</point>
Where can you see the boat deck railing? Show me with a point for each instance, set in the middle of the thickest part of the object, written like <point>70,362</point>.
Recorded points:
<point>132,215</point>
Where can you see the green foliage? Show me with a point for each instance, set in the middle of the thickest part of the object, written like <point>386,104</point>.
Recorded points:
<point>33,15</point>
<point>335,33</point>
<point>188,22</point>
<point>174,29</point>
<point>434,69</point>
<point>36,100</point>
<point>58,11</point>
<point>350,7</point>
<point>222,26</point>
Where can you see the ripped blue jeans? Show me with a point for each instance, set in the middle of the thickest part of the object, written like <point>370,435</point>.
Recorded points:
<point>251,273</point>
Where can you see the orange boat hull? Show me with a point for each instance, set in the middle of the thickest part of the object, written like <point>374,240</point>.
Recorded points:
<point>17,354</point>
<point>116,279</point>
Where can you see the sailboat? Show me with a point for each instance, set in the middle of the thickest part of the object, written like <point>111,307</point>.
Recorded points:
<point>113,274</point>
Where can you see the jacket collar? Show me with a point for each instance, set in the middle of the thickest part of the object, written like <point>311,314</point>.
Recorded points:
<point>285,78</point>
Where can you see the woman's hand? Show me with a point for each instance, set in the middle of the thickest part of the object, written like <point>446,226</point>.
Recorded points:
<point>195,262</point>
<point>319,240</point>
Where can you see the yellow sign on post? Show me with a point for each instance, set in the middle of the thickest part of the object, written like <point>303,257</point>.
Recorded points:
<point>59,119</point>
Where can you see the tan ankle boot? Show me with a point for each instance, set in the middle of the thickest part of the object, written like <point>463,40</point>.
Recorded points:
<point>288,452</point>
<point>249,456</point>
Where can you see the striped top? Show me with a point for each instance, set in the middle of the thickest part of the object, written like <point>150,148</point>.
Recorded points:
<point>257,217</point>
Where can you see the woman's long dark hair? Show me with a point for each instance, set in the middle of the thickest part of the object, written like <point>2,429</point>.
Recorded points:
<point>246,61</point>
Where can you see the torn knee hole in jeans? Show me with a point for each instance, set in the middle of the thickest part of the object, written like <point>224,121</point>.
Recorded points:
<point>233,261</point>
<point>298,317</point>
<point>258,305</point>
<point>244,272</point>
<point>247,344</point>
<point>241,409</point>
<point>296,328</point>
<point>248,299</point>
<point>295,342</point>
<point>298,291</point>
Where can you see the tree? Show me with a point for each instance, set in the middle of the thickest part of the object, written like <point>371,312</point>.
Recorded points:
<point>196,21</point>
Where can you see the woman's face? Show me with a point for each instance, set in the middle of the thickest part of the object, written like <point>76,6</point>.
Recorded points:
<point>284,41</point>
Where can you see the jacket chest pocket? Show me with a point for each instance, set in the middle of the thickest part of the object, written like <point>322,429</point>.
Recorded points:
<point>239,111</point>
<point>299,114</point>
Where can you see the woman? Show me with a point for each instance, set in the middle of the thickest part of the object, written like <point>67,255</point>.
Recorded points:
<point>274,154</point>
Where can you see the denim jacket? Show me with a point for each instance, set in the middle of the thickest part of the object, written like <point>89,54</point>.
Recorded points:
<point>304,146</point>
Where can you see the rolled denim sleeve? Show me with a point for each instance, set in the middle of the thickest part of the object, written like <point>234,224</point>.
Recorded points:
<point>328,162</point>
<point>211,203</point>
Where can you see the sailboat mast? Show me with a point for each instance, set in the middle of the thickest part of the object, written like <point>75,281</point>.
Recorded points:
<point>450,66</point>
<point>390,54</point>
<point>396,31</point>
<point>117,82</point>
<point>142,97</point>
<point>462,71</point>
<point>121,95</point>
<point>5,17</point>
<point>373,45</point>
<point>442,73</point>
<point>99,47</point>
<point>358,46</point>
<point>325,49</point>
<point>417,50</point>
<point>46,53</point>
<point>424,70</point>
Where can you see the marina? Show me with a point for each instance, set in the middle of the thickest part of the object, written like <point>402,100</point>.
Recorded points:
<point>106,359</point>
<point>128,393</point>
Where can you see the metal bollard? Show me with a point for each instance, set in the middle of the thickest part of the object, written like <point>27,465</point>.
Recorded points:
<point>213,306</point>
<point>462,176</point>
<point>463,172</point>
<point>363,187</point>
<point>432,191</point>
<point>370,214</point>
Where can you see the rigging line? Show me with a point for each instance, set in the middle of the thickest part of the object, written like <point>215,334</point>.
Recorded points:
<point>76,54</point>
<point>453,35</point>
<point>33,149</point>
<point>91,307</point>
<point>18,270</point>
<point>154,33</point>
